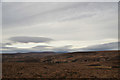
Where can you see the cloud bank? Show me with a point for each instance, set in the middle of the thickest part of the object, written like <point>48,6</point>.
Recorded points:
<point>67,48</point>
<point>26,39</point>
<point>102,47</point>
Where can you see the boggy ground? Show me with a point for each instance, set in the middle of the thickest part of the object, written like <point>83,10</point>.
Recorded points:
<point>67,65</point>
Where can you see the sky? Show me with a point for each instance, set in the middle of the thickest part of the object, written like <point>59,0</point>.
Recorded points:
<point>59,26</point>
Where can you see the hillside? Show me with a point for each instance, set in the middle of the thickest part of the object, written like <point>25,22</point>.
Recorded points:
<point>97,64</point>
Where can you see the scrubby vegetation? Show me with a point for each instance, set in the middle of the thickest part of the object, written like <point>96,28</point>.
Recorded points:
<point>66,65</point>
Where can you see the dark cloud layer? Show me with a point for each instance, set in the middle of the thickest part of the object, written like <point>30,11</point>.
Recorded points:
<point>41,46</point>
<point>67,48</point>
<point>100,47</point>
<point>26,39</point>
<point>63,48</point>
<point>10,48</point>
<point>3,45</point>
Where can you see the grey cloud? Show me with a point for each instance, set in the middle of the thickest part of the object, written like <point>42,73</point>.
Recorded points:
<point>10,48</point>
<point>26,39</point>
<point>39,48</point>
<point>62,49</point>
<point>67,48</point>
<point>68,21</point>
<point>62,21</point>
<point>23,50</point>
<point>2,45</point>
<point>34,13</point>
<point>42,46</point>
<point>52,48</point>
<point>5,49</point>
<point>100,47</point>
<point>78,17</point>
<point>16,50</point>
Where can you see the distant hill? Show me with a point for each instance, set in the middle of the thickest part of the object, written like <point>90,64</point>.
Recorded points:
<point>65,57</point>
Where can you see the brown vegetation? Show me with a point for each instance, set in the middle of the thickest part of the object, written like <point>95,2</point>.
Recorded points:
<point>101,64</point>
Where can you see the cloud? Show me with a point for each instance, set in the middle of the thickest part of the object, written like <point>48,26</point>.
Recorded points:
<point>69,23</point>
<point>42,46</point>
<point>26,39</point>
<point>63,21</point>
<point>16,50</point>
<point>23,50</point>
<point>100,47</point>
<point>33,13</point>
<point>10,48</point>
<point>63,48</point>
<point>52,48</point>
<point>66,48</point>
<point>5,49</point>
<point>3,45</point>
